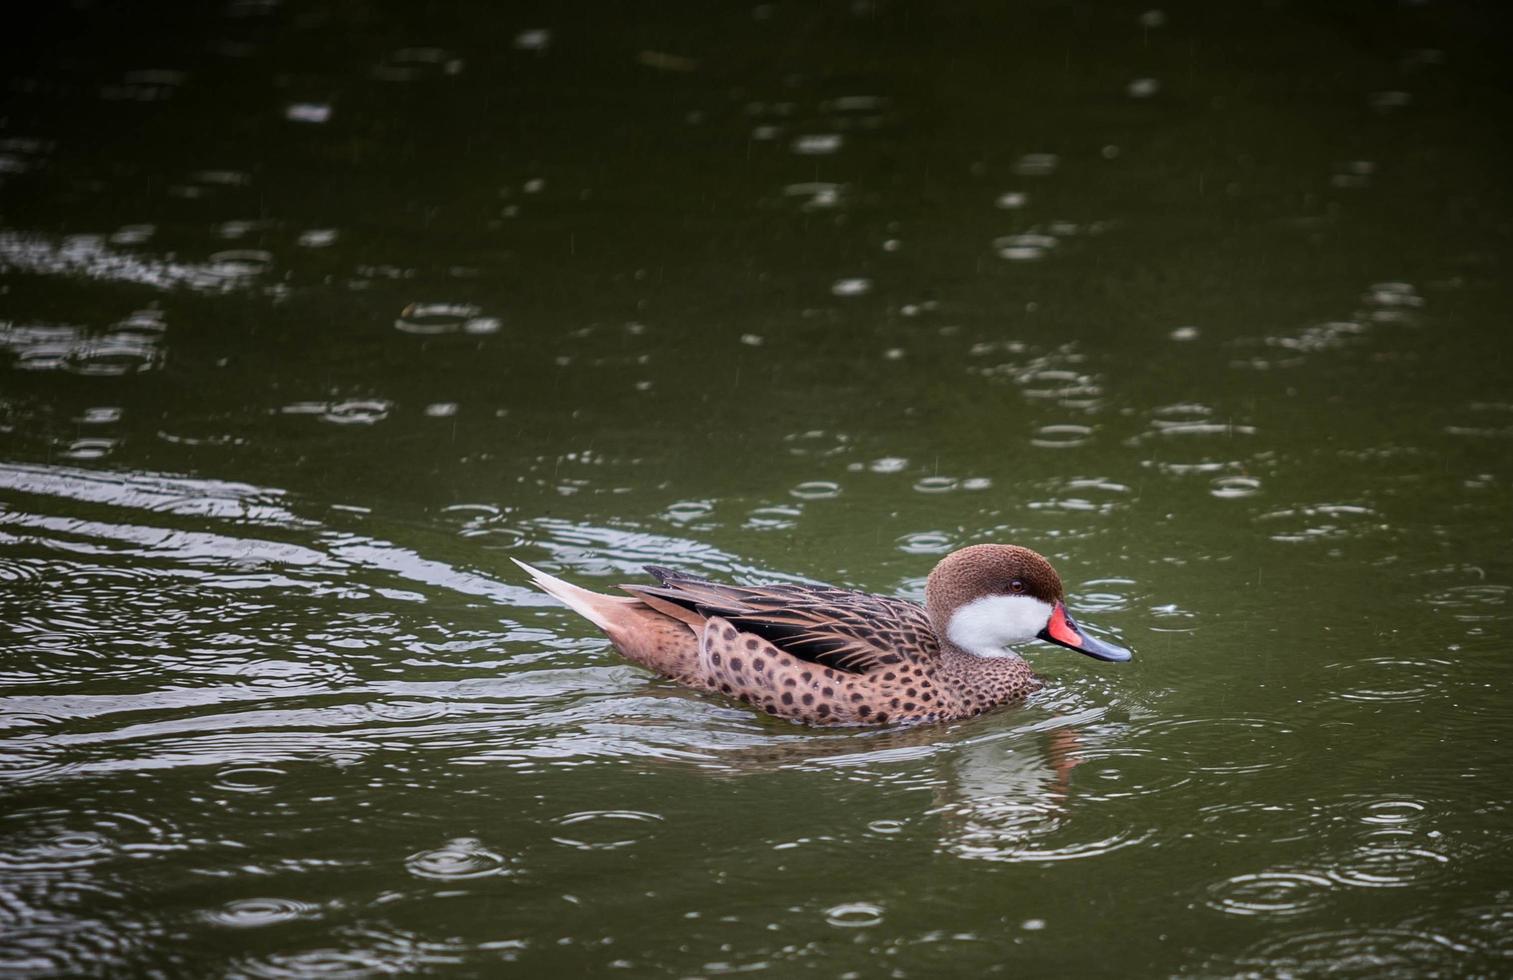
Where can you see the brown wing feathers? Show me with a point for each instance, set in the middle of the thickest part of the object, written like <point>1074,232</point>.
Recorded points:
<point>849,631</point>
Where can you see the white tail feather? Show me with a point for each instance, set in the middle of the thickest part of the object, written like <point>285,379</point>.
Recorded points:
<point>581,601</point>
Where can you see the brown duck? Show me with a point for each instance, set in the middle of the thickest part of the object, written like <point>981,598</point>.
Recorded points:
<point>831,656</point>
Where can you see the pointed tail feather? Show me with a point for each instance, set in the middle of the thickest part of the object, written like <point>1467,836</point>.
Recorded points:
<point>597,609</point>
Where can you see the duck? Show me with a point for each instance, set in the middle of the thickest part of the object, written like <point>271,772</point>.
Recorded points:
<point>826,656</point>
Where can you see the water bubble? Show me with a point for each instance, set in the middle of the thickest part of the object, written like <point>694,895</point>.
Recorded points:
<point>441,410</point>
<point>851,287</point>
<point>1184,333</point>
<point>1142,88</point>
<point>888,464</point>
<point>1012,200</point>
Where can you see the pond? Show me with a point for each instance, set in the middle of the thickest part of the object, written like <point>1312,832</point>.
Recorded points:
<point>315,315</point>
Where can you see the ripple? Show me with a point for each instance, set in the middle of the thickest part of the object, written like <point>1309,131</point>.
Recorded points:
<point>1037,164</point>
<point>1391,862</point>
<point>685,511</point>
<point>888,464</point>
<point>817,144</point>
<point>252,913</point>
<point>606,830</point>
<point>1320,522</point>
<point>417,64</point>
<point>816,490</point>
<point>132,234</point>
<point>854,915</point>
<point>308,112</point>
<point>817,443</point>
<point>1258,822</point>
<point>60,852</point>
<point>1390,679</point>
<point>1063,436</point>
<point>1248,744</point>
<point>20,571</point>
<point>356,411</point>
<point>239,265</point>
<point>1071,389</point>
<point>1485,927</point>
<point>443,318</point>
<point>95,447</point>
<point>1393,812</point>
<point>1371,953</point>
<point>937,484</point>
<point>405,711</point>
<point>1469,603</point>
<point>1028,247</point>
<point>1234,487</point>
<point>925,543</point>
<point>774,518</point>
<point>818,195</point>
<point>1269,893</point>
<point>252,780</point>
<point>457,860</point>
<point>1127,772</point>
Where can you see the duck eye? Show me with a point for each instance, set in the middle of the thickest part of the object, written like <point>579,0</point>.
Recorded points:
<point>1016,586</point>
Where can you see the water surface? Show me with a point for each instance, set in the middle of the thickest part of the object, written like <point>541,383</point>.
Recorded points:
<point>313,316</point>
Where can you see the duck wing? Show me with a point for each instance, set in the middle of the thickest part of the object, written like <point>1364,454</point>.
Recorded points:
<point>851,631</point>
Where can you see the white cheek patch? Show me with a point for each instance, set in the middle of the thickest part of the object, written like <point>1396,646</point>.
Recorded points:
<point>986,626</point>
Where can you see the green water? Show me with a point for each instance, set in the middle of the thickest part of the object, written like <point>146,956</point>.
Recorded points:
<point>313,315</point>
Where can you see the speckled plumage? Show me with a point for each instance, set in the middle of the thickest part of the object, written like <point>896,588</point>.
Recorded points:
<point>823,655</point>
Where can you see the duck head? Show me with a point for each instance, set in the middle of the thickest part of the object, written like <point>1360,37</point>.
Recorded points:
<point>989,597</point>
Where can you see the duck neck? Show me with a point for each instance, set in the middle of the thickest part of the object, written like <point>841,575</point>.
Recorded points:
<point>958,663</point>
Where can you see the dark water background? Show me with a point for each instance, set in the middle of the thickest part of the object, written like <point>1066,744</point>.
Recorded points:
<point>313,314</point>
